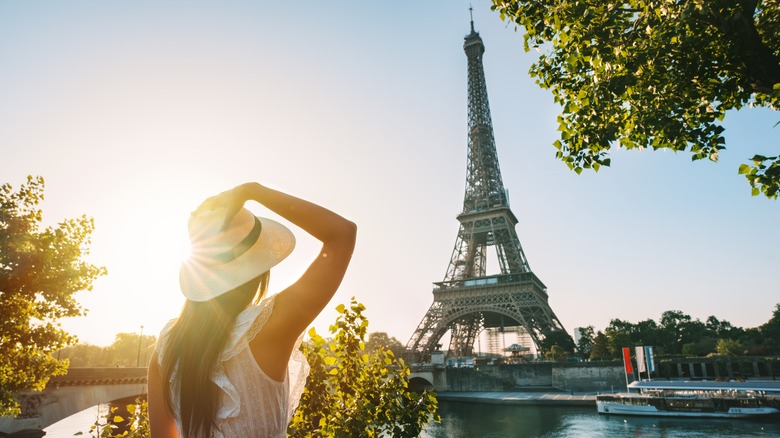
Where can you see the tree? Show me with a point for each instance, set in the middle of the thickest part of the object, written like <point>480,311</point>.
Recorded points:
<point>678,329</point>
<point>85,355</point>
<point>653,74</point>
<point>380,341</point>
<point>126,351</point>
<point>585,341</point>
<point>729,347</point>
<point>701,347</point>
<point>600,350</point>
<point>40,270</point>
<point>771,331</point>
<point>557,337</point>
<point>627,329</point>
<point>616,341</point>
<point>647,332</point>
<point>556,354</point>
<point>350,393</point>
<point>722,329</point>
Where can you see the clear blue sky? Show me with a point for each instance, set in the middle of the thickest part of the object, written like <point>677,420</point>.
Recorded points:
<point>136,111</point>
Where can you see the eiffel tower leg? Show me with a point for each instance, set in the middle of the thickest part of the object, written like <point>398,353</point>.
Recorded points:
<point>419,347</point>
<point>464,334</point>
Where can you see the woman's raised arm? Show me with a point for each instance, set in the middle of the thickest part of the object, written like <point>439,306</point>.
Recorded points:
<point>305,299</point>
<point>297,306</point>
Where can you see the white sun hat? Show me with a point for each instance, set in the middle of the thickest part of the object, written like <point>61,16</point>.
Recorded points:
<point>221,260</point>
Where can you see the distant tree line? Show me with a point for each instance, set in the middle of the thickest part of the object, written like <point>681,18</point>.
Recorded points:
<point>128,350</point>
<point>124,352</point>
<point>678,334</point>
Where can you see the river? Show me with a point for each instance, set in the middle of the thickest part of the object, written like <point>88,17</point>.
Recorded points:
<point>474,420</point>
<point>78,422</point>
<point>466,420</point>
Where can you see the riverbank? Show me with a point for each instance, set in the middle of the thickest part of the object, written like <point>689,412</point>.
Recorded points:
<point>520,398</point>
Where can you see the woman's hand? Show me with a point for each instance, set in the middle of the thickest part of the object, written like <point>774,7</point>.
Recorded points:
<point>231,201</point>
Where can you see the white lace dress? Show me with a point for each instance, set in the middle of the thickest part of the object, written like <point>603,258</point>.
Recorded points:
<point>251,403</point>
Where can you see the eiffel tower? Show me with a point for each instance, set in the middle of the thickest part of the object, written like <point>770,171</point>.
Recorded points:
<point>469,301</point>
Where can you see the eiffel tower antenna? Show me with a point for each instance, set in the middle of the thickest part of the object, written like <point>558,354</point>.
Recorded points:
<point>469,300</point>
<point>471,15</point>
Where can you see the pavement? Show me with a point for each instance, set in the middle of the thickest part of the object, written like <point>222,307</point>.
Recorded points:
<point>520,398</point>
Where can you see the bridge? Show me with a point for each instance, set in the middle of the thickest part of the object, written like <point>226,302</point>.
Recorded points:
<point>66,395</point>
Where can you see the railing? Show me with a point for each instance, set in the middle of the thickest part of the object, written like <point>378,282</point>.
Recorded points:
<point>491,280</point>
<point>99,376</point>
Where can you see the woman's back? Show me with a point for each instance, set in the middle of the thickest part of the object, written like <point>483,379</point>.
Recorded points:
<point>250,402</point>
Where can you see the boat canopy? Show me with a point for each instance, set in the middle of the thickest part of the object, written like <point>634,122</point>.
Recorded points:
<point>768,386</point>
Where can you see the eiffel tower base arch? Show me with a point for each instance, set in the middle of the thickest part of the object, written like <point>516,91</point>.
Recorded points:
<point>466,308</point>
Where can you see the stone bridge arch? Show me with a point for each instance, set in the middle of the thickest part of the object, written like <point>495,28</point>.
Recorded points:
<point>419,382</point>
<point>66,395</point>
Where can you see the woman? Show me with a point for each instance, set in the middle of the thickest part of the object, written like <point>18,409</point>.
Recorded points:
<point>221,368</point>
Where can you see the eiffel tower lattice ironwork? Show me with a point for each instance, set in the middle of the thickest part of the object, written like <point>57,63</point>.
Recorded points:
<point>469,301</point>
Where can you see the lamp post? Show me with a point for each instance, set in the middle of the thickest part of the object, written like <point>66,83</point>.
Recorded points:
<point>138,358</point>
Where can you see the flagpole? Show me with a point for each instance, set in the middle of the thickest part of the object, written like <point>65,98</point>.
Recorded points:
<point>625,370</point>
<point>647,364</point>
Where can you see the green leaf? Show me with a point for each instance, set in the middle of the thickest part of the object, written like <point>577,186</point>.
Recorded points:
<point>743,169</point>
<point>366,395</point>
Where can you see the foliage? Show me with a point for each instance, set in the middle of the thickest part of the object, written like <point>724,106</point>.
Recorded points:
<point>556,354</point>
<point>653,74</point>
<point>557,338</point>
<point>616,340</point>
<point>85,355</point>
<point>702,347</point>
<point>771,330</point>
<point>678,333</point>
<point>600,350</point>
<point>124,352</point>
<point>382,341</point>
<point>353,393</point>
<point>40,271</point>
<point>108,424</point>
<point>729,347</point>
<point>585,342</point>
<point>678,329</point>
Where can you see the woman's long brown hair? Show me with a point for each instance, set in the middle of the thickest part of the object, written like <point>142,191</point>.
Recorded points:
<point>194,345</point>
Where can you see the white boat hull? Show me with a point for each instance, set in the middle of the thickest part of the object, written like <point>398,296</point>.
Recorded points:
<point>652,411</point>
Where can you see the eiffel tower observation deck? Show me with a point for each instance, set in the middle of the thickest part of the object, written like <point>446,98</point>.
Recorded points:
<point>469,301</point>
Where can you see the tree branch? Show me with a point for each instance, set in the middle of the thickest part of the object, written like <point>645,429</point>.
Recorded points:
<point>762,66</point>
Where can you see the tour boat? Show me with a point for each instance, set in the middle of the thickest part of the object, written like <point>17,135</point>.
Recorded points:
<point>733,399</point>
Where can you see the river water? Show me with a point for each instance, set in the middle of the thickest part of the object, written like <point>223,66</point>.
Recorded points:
<point>78,422</point>
<point>474,420</point>
<point>466,420</point>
